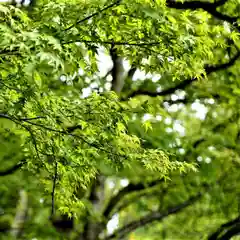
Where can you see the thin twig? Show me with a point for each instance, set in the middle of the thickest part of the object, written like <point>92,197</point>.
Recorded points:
<point>94,14</point>
<point>33,138</point>
<point>54,187</point>
<point>139,44</point>
<point>9,52</point>
<point>9,87</point>
<point>29,119</point>
<point>17,121</point>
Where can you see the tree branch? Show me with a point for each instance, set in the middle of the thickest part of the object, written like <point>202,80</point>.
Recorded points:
<point>10,87</point>
<point>210,69</point>
<point>19,121</point>
<point>223,227</point>
<point>131,72</point>
<point>116,3</point>
<point>12,169</point>
<point>209,7</point>
<point>195,4</point>
<point>182,85</point>
<point>151,217</point>
<point>235,230</point>
<point>10,52</point>
<point>128,78</point>
<point>133,200</point>
<point>219,3</point>
<point>117,43</point>
<point>53,189</point>
<point>124,191</point>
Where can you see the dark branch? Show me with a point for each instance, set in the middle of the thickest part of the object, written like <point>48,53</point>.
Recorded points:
<point>18,122</point>
<point>198,142</point>
<point>3,115</point>
<point>10,87</point>
<point>153,216</point>
<point>73,128</point>
<point>29,119</point>
<point>182,85</point>
<point>138,44</point>
<point>219,3</point>
<point>62,132</point>
<point>131,72</point>
<point>133,200</point>
<point>12,169</point>
<point>53,189</point>
<point>128,78</point>
<point>223,227</point>
<point>209,7</point>
<point>94,14</point>
<point>124,191</point>
<point>195,4</point>
<point>210,69</point>
<point>10,52</point>
<point>231,232</point>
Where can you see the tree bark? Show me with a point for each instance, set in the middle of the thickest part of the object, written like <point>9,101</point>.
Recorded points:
<point>21,215</point>
<point>94,227</point>
<point>117,71</point>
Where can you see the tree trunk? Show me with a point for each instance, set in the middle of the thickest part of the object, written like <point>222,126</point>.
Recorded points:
<point>93,226</point>
<point>21,215</point>
<point>117,71</point>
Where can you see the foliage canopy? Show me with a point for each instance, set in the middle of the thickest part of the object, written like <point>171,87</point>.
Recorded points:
<point>95,94</point>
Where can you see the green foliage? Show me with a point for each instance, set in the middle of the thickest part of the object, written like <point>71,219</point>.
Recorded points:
<point>173,136</point>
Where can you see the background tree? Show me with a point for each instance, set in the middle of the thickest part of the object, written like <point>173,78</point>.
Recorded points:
<point>77,158</point>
